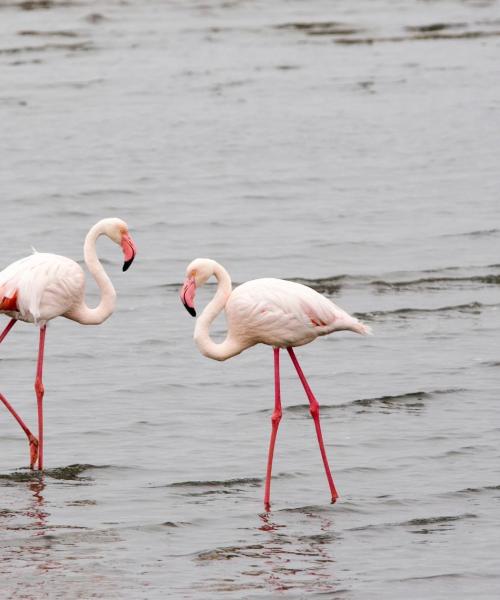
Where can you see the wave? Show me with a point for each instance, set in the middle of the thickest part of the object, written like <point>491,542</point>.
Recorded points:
<point>69,473</point>
<point>476,233</point>
<point>406,399</point>
<point>417,37</point>
<point>432,282</point>
<point>476,490</point>
<point>428,524</point>
<point>471,308</point>
<point>227,483</point>
<point>441,278</point>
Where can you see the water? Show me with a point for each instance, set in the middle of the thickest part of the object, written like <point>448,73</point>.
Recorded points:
<point>358,154</point>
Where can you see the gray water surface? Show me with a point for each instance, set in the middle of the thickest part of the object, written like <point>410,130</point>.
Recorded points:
<point>353,146</point>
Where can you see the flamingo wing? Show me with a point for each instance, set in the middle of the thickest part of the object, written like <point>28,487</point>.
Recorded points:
<point>282,313</point>
<point>40,287</point>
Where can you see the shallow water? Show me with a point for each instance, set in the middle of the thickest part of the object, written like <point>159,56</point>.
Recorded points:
<point>350,145</point>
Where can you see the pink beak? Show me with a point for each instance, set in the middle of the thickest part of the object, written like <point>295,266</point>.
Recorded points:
<point>187,295</point>
<point>129,250</point>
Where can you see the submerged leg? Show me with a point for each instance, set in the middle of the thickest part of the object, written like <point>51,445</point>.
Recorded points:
<point>33,442</point>
<point>39,394</point>
<point>314,410</point>
<point>275,421</point>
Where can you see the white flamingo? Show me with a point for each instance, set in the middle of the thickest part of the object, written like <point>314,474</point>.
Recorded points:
<point>279,313</point>
<point>43,286</point>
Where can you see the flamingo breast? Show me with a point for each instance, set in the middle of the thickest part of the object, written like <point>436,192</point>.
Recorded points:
<point>40,287</point>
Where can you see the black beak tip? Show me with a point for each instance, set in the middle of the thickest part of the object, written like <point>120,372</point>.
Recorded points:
<point>190,310</point>
<point>127,263</point>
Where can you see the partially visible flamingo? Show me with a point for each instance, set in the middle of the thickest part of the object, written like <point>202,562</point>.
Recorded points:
<point>279,313</point>
<point>43,286</point>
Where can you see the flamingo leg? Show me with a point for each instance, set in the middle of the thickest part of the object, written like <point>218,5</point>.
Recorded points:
<point>314,410</point>
<point>10,325</point>
<point>39,389</point>
<point>275,421</point>
<point>33,442</point>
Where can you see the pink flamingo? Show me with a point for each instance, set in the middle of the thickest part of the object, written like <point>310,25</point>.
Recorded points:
<point>279,313</point>
<point>43,286</point>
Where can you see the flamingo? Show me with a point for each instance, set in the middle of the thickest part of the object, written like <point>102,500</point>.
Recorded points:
<point>279,313</point>
<point>43,286</point>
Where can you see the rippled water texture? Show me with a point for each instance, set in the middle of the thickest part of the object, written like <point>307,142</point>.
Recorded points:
<point>353,145</point>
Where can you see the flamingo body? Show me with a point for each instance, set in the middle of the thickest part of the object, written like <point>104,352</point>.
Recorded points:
<point>44,286</point>
<point>283,314</point>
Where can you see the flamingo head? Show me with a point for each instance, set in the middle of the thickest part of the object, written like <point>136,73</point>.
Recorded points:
<point>117,230</point>
<point>197,274</point>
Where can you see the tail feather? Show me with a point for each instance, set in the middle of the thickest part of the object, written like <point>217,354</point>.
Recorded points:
<point>361,328</point>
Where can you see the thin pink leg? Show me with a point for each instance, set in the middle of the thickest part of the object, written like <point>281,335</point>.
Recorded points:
<point>39,395</point>
<point>33,442</point>
<point>275,421</point>
<point>314,410</point>
<point>10,325</point>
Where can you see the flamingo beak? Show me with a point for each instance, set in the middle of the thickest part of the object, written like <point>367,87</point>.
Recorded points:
<point>187,295</point>
<point>129,250</point>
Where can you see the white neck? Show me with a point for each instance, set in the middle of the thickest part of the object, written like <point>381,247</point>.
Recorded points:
<point>205,344</point>
<point>94,316</point>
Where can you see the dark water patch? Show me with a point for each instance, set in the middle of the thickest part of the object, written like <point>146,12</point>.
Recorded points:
<point>287,67</point>
<point>476,233</point>
<point>310,509</point>
<point>43,4</point>
<point>319,538</point>
<point>319,28</point>
<point>435,27</point>
<point>461,451</point>
<point>325,285</point>
<point>82,503</point>
<point>70,473</point>
<point>403,398</point>
<point>491,363</point>
<point>74,47</point>
<point>230,552</point>
<point>476,490</point>
<point>436,520</point>
<point>404,313</point>
<point>216,492</point>
<point>95,18</point>
<point>411,402</point>
<point>433,577</point>
<point>465,35</point>
<point>22,476</point>
<point>228,483</point>
<point>33,32</point>
<point>407,400</point>
<point>426,524</point>
<point>426,283</point>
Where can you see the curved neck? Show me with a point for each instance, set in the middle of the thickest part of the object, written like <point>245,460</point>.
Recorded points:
<point>205,344</point>
<point>94,316</point>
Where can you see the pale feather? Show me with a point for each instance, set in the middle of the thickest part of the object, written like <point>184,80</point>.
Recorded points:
<point>46,286</point>
<point>283,313</point>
